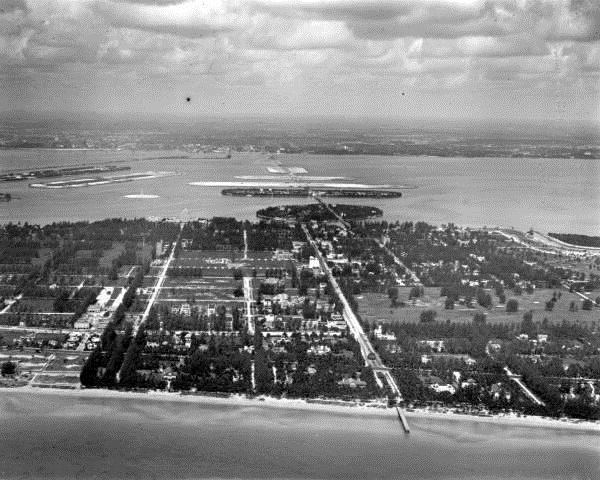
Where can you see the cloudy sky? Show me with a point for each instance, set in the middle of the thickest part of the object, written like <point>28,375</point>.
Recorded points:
<point>389,58</point>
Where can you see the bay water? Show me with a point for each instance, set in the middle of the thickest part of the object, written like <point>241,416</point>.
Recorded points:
<point>550,195</point>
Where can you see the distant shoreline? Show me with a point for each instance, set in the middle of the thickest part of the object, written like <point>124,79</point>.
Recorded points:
<point>240,401</point>
<point>335,153</point>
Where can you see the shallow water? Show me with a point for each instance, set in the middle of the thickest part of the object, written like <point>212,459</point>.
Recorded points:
<point>548,194</point>
<point>54,436</point>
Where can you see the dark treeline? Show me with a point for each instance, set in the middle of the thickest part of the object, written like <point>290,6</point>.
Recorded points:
<point>78,303</point>
<point>228,233</point>
<point>162,317</point>
<point>575,239</point>
<point>317,212</point>
<point>103,364</point>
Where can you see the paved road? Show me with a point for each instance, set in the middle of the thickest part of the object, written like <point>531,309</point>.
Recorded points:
<point>10,303</point>
<point>157,286</point>
<point>582,295</point>
<point>249,298</point>
<point>79,287</point>
<point>369,354</point>
<point>84,339</point>
<point>416,280</point>
<point>517,380</point>
<point>50,360</point>
<point>333,212</point>
<point>349,316</point>
<point>544,244</point>
<point>39,329</point>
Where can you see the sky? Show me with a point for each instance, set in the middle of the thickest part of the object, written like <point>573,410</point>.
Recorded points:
<point>458,59</point>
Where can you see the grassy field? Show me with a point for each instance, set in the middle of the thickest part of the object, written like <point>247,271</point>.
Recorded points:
<point>376,307</point>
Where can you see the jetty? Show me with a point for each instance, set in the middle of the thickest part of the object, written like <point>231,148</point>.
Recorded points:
<point>402,419</point>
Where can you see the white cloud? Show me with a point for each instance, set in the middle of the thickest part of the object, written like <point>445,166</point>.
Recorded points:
<point>194,19</point>
<point>444,44</point>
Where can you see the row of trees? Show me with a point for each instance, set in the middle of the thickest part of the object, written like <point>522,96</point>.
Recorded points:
<point>103,364</point>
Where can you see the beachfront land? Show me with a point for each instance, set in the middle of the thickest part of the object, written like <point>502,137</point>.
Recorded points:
<point>465,319</point>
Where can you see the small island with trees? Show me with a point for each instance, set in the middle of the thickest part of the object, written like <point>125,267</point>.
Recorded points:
<point>315,212</point>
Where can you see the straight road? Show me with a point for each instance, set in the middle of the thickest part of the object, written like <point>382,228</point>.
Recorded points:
<point>517,380</point>
<point>79,287</point>
<point>84,339</point>
<point>249,298</point>
<point>416,280</point>
<point>157,287</point>
<point>369,354</point>
<point>333,212</point>
<point>10,303</point>
<point>40,329</point>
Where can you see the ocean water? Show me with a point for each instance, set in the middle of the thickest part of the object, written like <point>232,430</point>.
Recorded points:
<point>54,436</point>
<point>561,195</point>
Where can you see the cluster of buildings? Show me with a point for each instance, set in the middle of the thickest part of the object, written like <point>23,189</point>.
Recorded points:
<point>74,340</point>
<point>99,314</point>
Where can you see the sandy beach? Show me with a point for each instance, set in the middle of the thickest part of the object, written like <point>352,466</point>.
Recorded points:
<point>332,406</point>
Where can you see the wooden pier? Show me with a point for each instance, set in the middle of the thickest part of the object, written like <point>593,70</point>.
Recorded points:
<point>403,420</point>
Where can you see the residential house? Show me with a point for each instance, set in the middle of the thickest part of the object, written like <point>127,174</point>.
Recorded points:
<point>82,324</point>
<point>319,350</point>
<point>352,383</point>
<point>435,345</point>
<point>379,335</point>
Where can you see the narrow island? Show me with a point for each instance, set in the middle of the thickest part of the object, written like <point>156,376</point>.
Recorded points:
<point>90,182</point>
<point>54,172</point>
<point>305,192</point>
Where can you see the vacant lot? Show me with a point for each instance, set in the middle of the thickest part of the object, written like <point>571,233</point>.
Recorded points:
<point>199,290</point>
<point>34,305</point>
<point>67,362</point>
<point>216,263</point>
<point>56,380</point>
<point>376,307</point>
<point>27,362</point>
<point>109,255</point>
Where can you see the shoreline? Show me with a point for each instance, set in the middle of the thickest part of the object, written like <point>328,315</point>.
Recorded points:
<point>318,406</point>
<point>307,153</point>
